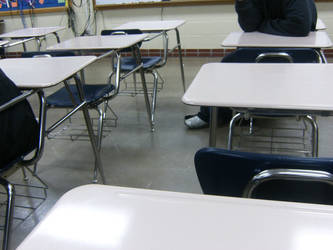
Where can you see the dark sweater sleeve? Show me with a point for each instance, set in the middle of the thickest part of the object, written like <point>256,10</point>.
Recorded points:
<point>250,17</point>
<point>299,16</point>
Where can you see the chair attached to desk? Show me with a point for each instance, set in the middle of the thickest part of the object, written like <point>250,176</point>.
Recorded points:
<point>96,95</point>
<point>273,55</point>
<point>129,66</point>
<point>22,140</point>
<point>265,176</point>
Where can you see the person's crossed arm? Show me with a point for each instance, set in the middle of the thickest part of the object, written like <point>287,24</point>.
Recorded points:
<point>278,17</point>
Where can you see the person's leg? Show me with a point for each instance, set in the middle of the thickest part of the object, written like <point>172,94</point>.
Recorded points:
<point>201,119</point>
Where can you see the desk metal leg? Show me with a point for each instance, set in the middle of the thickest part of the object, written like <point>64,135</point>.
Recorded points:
<point>212,126</point>
<point>315,135</point>
<point>180,58</point>
<point>98,162</point>
<point>234,119</point>
<point>144,86</point>
<point>57,37</point>
<point>42,122</point>
<point>39,43</point>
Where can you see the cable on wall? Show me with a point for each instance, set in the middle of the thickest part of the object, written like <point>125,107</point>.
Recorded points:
<point>89,26</point>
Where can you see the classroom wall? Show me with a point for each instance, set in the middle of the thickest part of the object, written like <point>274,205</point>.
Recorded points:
<point>205,28</point>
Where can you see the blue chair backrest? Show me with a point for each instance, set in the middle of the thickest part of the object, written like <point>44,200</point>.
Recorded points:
<point>249,55</point>
<point>50,53</point>
<point>225,172</point>
<point>19,129</point>
<point>122,31</point>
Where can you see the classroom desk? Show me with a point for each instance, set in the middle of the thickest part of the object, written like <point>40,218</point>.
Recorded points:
<point>162,27</point>
<point>40,73</point>
<point>107,217</point>
<point>37,33</point>
<point>108,43</point>
<point>303,89</point>
<point>317,40</point>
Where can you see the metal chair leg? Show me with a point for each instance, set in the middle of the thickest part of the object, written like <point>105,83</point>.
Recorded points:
<point>9,212</point>
<point>154,95</point>
<point>315,134</point>
<point>234,119</point>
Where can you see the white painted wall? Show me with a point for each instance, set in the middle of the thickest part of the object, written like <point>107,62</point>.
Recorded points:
<point>205,28</point>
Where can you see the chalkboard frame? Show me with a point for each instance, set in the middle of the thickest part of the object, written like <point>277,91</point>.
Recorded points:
<point>168,3</point>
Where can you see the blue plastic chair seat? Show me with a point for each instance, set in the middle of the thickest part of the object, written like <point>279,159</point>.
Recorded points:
<point>129,63</point>
<point>62,98</point>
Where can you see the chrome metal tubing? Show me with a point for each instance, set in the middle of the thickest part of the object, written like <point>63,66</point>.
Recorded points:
<point>57,37</point>
<point>234,119</point>
<point>71,96</point>
<point>64,118</point>
<point>287,174</point>
<point>180,59</point>
<point>315,134</point>
<point>283,55</point>
<point>149,38</point>
<point>18,42</point>
<point>321,57</point>
<point>10,190</point>
<point>42,123</point>
<point>166,49</point>
<point>136,52</point>
<point>132,71</point>
<point>212,126</point>
<point>109,53</point>
<point>17,100</point>
<point>154,95</point>
<point>98,162</point>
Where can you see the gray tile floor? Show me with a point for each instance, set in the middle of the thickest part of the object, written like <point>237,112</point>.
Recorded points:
<point>132,155</point>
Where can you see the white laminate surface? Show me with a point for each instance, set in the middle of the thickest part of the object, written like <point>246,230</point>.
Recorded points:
<point>99,42</point>
<point>320,25</point>
<point>43,72</point>
<point>31,32</point>
<point>151,26</point>
<point>105,217</point>
<point>318,39</point>
<point>274,86</point>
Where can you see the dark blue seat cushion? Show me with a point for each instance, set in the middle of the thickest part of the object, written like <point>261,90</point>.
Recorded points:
<point>93,92</point>
<point>225,172</point>
<point>129,63</point>
<point>19,130</point>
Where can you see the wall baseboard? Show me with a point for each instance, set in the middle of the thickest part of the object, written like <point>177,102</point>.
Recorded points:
<point>185,52</point>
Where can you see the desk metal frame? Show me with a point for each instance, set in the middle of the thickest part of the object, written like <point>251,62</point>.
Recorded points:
<point>110,44</point>
<point>262,86</point>
<point>10,67</point>
<point>24,35</point>
<point>161,28</point>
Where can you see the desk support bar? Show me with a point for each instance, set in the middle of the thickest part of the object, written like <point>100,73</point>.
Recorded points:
<point>16,100</point>
<point>42,122</point>
<point>137,56</point>
<point>64,118</point>
<point>212,126</point>
<point>180,58</point>
<point>98,162</point>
